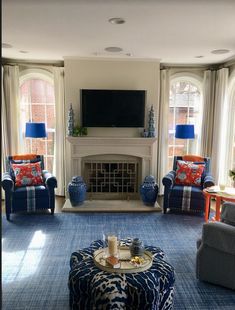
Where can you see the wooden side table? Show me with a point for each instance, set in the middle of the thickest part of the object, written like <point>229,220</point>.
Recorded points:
<point>214,192</point>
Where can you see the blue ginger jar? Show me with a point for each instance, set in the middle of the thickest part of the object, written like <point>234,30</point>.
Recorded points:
<point>149,191</point>
<point>77,191</point>
<point>136,248</point>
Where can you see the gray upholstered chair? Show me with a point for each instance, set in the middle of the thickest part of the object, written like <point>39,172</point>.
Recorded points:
<point>215,262</point>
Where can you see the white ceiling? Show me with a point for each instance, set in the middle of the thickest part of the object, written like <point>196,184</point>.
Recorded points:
<point>172,31</point>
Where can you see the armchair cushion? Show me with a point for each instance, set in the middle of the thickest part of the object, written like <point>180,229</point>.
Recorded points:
<point>188,173</point>
<point>21,192</point>
<point>24,157</point>
<point>193,158</point>
<point>27,174</point>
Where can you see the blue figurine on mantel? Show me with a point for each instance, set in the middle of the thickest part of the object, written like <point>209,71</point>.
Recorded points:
<point>70,121</point>
<point>151,125</point>
<point>149,191</point>
<point>77,191</point>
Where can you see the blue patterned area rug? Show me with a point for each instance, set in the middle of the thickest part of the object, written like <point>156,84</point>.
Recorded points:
<point>37,248</point>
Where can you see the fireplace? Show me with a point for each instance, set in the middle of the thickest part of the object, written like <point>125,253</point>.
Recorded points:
<point>113,168</point>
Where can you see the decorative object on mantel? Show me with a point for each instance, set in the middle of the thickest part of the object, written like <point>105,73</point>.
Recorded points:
<point>145,133</point>
<point>79,131</point>
<point>149,191</point>
<point>70,121</point>
<point>151,126</point>
<point>77,191</point>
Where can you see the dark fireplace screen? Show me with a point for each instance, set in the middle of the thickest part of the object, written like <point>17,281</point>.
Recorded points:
<point>112,177</point>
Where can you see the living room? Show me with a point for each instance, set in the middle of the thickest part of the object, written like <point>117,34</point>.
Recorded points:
<point>179,58</point>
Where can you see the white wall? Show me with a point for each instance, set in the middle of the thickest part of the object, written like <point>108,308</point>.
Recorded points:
<point>111,74</point>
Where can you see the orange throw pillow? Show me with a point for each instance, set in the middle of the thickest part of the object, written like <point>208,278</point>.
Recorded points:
<point>193,158</point>
<point>189,174</point>
<point>24,157</point>
<point>27,174</point>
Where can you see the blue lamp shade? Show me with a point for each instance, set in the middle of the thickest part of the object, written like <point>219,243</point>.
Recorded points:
<point>35,130</point>
<point>184,132</point>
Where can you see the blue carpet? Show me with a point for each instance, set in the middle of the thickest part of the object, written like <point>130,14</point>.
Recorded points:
<point>37,248</point>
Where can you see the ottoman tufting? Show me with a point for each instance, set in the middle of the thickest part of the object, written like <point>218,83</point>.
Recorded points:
<point>93,289</point>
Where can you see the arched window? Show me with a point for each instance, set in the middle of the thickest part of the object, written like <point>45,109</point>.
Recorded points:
<point>185,107</point>
<point>37,104</point>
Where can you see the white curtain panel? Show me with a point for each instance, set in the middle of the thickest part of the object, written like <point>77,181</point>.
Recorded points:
<point>230,134</point>
<point>220,135</point>
<point>10,110</point>
<point>5,144</point>
<point>59,164</point>
<point>208,112</point>
<point>162,158</point>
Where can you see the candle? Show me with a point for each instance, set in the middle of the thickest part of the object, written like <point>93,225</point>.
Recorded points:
<point>112,245</point>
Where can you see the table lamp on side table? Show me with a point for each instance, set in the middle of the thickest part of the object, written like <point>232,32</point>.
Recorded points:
<point>35,130</point>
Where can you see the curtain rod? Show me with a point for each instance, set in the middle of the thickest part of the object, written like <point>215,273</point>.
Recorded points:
<point>226,64</point>
<point>30,63</point>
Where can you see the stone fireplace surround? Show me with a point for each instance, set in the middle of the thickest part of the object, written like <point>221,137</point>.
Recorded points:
<point>111,149</point>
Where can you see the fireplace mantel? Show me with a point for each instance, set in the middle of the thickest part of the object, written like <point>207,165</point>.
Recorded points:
<point>81,147</point>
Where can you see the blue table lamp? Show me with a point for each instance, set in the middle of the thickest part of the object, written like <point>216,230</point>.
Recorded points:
<point>35,130</point>
<point>185,132</point>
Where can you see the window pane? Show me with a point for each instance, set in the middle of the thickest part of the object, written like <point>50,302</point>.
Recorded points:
<point>38,113</point>
<point>184,108</point>
<point>37,104</point>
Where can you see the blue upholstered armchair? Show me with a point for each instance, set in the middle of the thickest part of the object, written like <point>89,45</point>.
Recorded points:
<point>28,198</point>
<point>186,198</point>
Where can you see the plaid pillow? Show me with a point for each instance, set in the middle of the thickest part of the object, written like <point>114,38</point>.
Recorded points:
<point>27,174</point>
<point>188,173</point>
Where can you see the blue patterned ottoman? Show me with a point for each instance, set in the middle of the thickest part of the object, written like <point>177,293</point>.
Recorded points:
<point>94,289</point>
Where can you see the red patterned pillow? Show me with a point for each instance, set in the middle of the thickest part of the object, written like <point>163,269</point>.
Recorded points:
<point>188,173</point>
<point>27,174</point>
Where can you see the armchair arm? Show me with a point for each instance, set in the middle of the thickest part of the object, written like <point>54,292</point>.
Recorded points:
<point>208,181</point>
<point>7,182</point>
<point>169,179</point>
<point>49,179</point>
<point>220,236</point>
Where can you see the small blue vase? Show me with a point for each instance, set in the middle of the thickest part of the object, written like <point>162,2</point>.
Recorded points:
<point>149,191</point>
<point>77,191</point>
<point>137,247</point>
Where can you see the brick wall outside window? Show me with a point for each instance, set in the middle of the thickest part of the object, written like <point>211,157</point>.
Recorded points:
<point>184,108</point>
<point>37,104</point>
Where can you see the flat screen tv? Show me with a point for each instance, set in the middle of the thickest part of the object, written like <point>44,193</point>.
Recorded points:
<point>112,108</point>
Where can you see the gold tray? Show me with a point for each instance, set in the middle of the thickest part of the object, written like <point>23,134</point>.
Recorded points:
<point>124,259</point>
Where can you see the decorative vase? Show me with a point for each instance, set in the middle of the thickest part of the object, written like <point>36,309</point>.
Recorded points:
<point>149,191</point>
<point>137,247</point>
<point>77,191</point>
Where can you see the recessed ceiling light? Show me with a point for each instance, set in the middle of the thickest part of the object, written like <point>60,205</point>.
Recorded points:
<point>113,49</point>
<point>6,45</point>
<point>220,51</point>
<point>23,52</point>
<point>199,56</point>
<point>117,20</point>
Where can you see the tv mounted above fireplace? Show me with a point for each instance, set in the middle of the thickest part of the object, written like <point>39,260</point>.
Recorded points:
<point>112,108</point>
